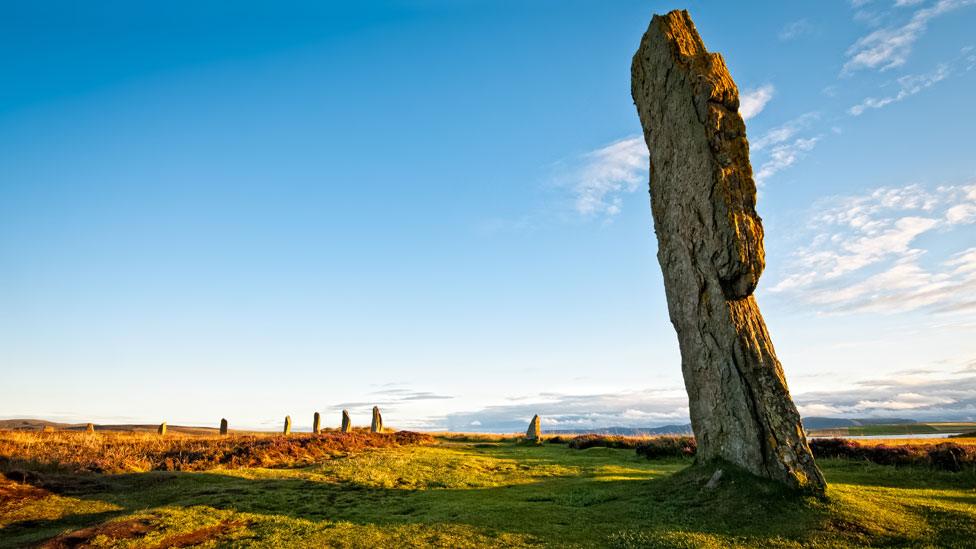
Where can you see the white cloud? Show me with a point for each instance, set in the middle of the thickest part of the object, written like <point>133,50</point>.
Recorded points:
<point>606,173</point>
<point>643,408</point>
<point>784,132</point>
<point>961,214</point>
<point>937,395</point>
<point>818,409</point>
<point>783,156</point>
<point>908,85</point>
<point>946,392</point>
<point>889,47</point>
<point>752,102</point>
<point>864,254</point>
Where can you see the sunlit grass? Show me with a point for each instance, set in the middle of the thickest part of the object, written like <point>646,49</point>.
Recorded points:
<point>491,493</point>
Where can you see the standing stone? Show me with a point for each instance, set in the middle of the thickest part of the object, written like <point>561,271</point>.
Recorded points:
<point>90,428</point>
<point>377,425</point>
<point>161,431</point>
<point>316,423</point>
<point>223,427</point>
<point>346,422</point>
<point>534,432</point>
<point>287,428</point>
<point>710,247</point>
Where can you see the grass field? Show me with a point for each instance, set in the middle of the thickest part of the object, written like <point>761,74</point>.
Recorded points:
<point>473,493</point>
<point>897,429</point>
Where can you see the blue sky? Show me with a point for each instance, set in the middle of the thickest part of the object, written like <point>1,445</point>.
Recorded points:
<point>441,208</point>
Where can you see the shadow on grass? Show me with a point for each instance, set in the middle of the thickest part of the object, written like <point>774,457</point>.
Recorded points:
<point>588,508</point>
<point>865,473</point>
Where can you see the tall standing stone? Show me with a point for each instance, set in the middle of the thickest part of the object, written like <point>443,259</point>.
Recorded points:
<point>377,425</point>
<point>534,432</point>
<point>223,427</point>
<point>161,430</point>
<point>287,428</point>
<point>90,428</point>
<point>346,422</point>
<point>710,247</point>
<point>316,423</point>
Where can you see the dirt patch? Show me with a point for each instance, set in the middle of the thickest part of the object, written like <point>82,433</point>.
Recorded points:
<point>123,529</point>
<point>201,535</point>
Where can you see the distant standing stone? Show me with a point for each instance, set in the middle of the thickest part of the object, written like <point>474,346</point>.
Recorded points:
<point>534,432</point>
<point>377,425</point>
<point>161,431</point>
<point>90,428</point>
<point>287,428</point>
<point>316,423</point>
<point>346,422</point>
<point>223,426</point>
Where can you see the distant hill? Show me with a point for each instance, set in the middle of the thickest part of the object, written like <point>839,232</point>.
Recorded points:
<point>626,431</point>
<point>810,423</point>
<point>837,423</point>
<point>40,424</point>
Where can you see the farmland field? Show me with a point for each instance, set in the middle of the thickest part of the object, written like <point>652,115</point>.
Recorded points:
<point>472,492</point>
<point>898,429</point>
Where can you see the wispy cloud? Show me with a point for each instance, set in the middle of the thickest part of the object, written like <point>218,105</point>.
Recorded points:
<point>908,85</point>
<point>864,254</point>
<point>645,408</point>
<point>783,156</point>
<point>969,57</point>
<point>783,132</point>
<point>924,394</point>
<point>752,102</point>
<point>600,178</point>
<point>391,397</point>
<point>795,30</point>
<point>935,392</point>
<point>606,173</point>
<point>889,47</point>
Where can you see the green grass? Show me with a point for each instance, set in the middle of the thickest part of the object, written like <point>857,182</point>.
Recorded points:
<point>478,494</point>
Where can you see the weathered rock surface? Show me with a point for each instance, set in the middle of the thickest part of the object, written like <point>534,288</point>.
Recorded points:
<point>377,425</point>
<point>710,247</point>
<point>316,423</point>
<point>287,428</point>
<point>90,428</point>
<point>161,431</point>
<point>223,426</point>
<point>346,422</point>
<point>534,432</point>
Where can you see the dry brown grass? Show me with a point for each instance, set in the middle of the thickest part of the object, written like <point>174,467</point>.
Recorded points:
<point>73,452</point>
